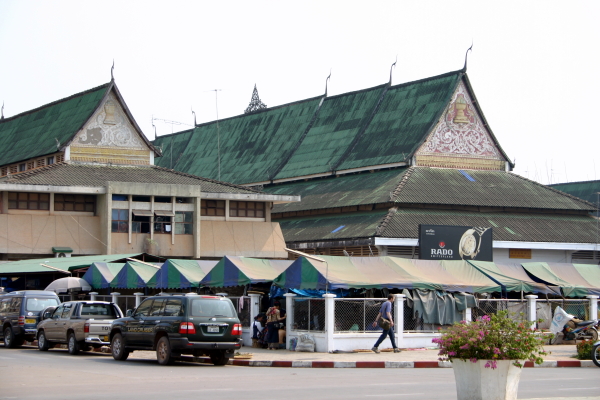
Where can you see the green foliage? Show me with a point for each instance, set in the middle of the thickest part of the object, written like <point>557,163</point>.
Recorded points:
<point>492,338</point>
<point>584,350</point>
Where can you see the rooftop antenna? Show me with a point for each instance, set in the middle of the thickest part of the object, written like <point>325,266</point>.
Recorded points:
<point>218,134</point>
<point>154,126</point>
<point>469,49</point>
<point>112,78</point>
<point>391,68</point>
<point>327,80</point>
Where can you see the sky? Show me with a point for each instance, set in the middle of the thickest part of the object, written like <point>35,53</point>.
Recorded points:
<point>534,64</point>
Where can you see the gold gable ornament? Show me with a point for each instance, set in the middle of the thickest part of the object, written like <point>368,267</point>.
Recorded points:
<point>460,105</point>
<point>109,109</point>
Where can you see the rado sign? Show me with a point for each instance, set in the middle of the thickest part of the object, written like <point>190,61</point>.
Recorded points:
<point>443,242</point>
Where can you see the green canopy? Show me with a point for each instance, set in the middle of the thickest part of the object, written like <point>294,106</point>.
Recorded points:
<point>134,275</point>
<point>100,274</point>
<point>180,274</point>
<point>564,275</point>
<point>590,272</point>
<point>238,271</point>
<point>61,264</point>
<point>512,277</point>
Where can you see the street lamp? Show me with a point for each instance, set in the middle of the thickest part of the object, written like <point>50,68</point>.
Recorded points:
<point>299,253</point>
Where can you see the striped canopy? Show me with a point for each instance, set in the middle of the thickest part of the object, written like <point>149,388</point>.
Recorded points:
<point>180,274</point>
<point>571,278</point>
<point>100,274</point>
<point>134,275</point>
<point>512,277</point>
<point>237,271</point>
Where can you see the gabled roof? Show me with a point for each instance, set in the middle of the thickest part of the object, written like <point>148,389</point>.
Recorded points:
<point>76,174</point>
<point>426,186</point>
<point>365,129</point>
<point>47,129</point>
<point>587,190</point>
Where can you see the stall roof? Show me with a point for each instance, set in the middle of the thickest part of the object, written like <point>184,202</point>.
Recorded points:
<point>61,264</point>
<point>237,271</point>
<point>134,275</point>
<point>100,274</point>
<point>179,274</point>
<point>566,276</point>
<point>512,277</point>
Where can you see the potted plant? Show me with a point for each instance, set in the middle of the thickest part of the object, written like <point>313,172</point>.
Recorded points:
<point>487,355</point>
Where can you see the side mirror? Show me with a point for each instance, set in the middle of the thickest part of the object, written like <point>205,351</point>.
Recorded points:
<point>129,312</point>
<point>47,314</point>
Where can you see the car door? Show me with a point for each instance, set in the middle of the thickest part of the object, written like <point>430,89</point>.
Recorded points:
<point>151,321</point>
<point>135,324</point>
<point>51,327</point>
<point>63,322</point>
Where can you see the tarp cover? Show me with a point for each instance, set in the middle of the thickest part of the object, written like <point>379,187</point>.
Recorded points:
<point>134,275</point>
<point>512,277</point>
<point>237,271</point>
<point>180,274</point>
<point>566,276</point>
<point>100,274</point>
<point>62,263</point>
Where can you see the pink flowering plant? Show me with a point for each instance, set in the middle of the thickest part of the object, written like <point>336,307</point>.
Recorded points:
<point>492,338</point>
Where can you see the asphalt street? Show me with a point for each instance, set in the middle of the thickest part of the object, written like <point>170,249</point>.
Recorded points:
<point>29,374</point>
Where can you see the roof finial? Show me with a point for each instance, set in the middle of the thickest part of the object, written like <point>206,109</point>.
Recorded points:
<point>391,68</point>
<point>112,78</point>
<point>469,49</point>
<point>327,80</point>
<point>2,116</point>
<point>194,118</point>
<point>255,103</point>
<point>154,126</point>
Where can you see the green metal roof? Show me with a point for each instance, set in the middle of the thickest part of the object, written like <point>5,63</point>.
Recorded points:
<point>35,133</point>
<point>587,190</point>
<point>64,264</point>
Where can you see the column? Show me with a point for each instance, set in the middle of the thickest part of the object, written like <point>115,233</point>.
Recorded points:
<point>289,320</point>
<point>593,306</point>
<point>531,309</point>
<point>399,319</point>
<point>329,320</point>
<point>93,296</point>
<point>138,298</point>
<point>468,315</point>
<point>115,297</point>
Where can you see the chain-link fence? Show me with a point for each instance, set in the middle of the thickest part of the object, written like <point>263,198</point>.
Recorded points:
<point>356,315</point>
<point>515,308</point>
<point>309,314</point>
<point>243,309</point>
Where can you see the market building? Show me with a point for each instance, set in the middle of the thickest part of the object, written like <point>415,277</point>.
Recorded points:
<point>374,164</point>
<point>78,176</point>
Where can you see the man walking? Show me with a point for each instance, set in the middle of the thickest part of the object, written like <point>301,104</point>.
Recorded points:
<point>386,312</point>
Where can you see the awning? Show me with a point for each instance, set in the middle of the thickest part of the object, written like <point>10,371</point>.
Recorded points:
<point>238,271</point>
<point>179,274</point>
<point>134,275</point>
<point>512,277</point>
<point>64,264</point>
<point>164,213</point>
<point>564,275</point>
<point>100,274</point>
<point>142,213</point>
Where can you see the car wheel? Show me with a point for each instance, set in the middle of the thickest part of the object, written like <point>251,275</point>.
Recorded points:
<point>43,344</point>
<point>73,345</point>
<point>219,358</point>
<point>163,351</point>
<point>117,347</point>
<point>10,341</point>
<point>596,354</point>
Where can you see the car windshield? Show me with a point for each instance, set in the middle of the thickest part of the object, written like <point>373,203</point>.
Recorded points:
<point>212,308</point>
<point>39,303</point>
<point>98,310</point>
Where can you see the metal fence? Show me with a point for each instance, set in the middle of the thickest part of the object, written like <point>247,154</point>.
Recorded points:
<point>243,309</point>
<point>309,314</point>
<point>356,315</point>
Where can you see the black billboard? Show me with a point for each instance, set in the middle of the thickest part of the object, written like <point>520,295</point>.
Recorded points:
<point>444,242</point>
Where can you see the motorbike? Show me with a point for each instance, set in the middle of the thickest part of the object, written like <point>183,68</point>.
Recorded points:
<point>596,353</point>
<point>566,327</point>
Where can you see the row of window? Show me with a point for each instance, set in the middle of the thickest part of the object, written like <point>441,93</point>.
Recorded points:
<point>22,167</point>
<point>182,222</point>
<point>248,209</point>
<point>41,201</point>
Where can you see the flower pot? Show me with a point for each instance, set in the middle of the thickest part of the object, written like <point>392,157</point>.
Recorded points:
<point>475,382</point>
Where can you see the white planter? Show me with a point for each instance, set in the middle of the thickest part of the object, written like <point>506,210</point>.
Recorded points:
<point>475,382</point>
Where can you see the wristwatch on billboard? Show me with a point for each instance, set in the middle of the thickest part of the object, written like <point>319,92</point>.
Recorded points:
<point>469,244</point>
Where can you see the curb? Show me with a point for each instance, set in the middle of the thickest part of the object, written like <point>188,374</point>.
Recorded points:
<point>377,364</point>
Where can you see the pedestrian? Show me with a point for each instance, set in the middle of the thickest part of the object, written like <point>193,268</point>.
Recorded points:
<point>386,312</point>
<point>273,325</point>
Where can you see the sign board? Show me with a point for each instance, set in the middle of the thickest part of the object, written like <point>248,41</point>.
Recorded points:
<point>519,253</point>
<point>445,242</point>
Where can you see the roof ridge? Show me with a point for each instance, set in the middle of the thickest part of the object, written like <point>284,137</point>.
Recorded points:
<point>206,179</point>
<point>55,102</point>
<point>445,74</point>
<point>575,182</point>
<point>385,221</point>
<point>554,190</point>
<point>407,174</point>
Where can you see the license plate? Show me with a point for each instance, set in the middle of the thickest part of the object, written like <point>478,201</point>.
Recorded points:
<point>29,321</point>
<point>213,329</point>
<point>105,338</point>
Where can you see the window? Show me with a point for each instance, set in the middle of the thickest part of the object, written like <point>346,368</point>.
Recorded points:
<point>74,202</point>
<point>28,201</point>
<point>212,208</point>
<point>119,197</point>
<point>162,224</point>
<point>249,209</point>
<point>184,222</point>
<point>174,308</point>
<point>140,224</point>
<point>158,199</point>
<point>141,199</point>
<point>22,167</point>
<point>120,221</point>
<point>50,160</point>
<point>144,308</point>
<point>38,304</point>
<point>157,307</point>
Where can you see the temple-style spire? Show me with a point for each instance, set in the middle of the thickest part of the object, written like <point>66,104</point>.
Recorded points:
<point>255,103</point>
<point>466,54</point>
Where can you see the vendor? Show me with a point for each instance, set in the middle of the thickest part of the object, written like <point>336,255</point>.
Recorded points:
<point>273,323</point>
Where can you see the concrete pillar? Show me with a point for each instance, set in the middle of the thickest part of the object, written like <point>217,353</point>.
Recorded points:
<point>254,306</point>
<point>329,320</point>
<point>93,296</point>
<point>468,315</point>
<point>531,309</point>
<point>399,319</point>
<point>289,320</point>
<point>115,297</point>
<point>593,306</point>
<point>138,298</point>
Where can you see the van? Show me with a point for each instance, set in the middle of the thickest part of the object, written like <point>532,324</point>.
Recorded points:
<point>20,313</point>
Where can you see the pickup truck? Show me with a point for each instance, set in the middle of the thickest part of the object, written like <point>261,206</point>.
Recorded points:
<point>79,324</point>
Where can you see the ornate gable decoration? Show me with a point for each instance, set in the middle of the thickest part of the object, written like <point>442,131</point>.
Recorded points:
<point>255,103</point>
<point>460,139</point>
<point>109,137</point>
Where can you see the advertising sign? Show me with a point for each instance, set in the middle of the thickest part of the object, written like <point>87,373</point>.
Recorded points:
<point>444,242</point>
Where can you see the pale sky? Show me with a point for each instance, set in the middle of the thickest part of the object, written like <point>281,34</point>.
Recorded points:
<point>534,65</point>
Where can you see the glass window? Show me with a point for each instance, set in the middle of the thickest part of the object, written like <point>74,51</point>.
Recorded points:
<point>28,201</point>
<point>144,308</point>
<point>67,311</point>
<point>140,224</point>
<point>212,208</point>
<point>22,167</point>
<point>38,304</point>
<point>74,202</point>
<point>58,311</point>
<point>98,311</point>
<point>162,224</point>
<point>15,305</point>
<point>120,220</point>
<point>184,222</point>
<point>142,199</point>
<point>174,308</point>
<point>212,308</point>
<point>247,209</point>
<point>159,199</point>
<point>157,307</point>
<point>119,197</point>
<point>50,160</point>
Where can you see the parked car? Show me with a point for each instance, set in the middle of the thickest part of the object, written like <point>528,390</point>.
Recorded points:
<point>79,324</point>
<point>20,314</point>
<point>179,324</point>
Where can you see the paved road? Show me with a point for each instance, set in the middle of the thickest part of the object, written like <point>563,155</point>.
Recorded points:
<point>29,374</point>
